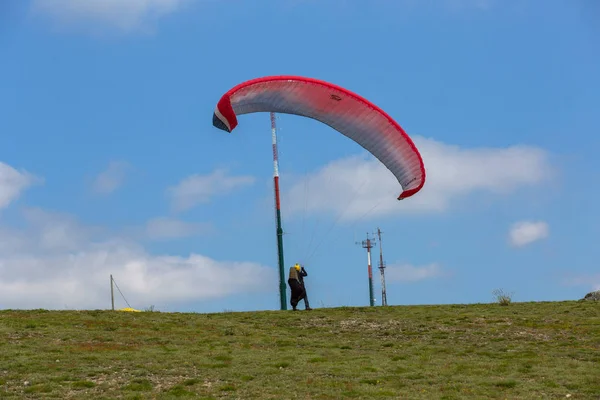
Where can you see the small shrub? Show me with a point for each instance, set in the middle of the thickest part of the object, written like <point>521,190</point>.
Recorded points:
<point>502,298</point>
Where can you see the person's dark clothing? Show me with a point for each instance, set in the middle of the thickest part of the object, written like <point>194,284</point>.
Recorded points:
<point>301,276</point>
<point>298,292</point>
<point>296,286</point>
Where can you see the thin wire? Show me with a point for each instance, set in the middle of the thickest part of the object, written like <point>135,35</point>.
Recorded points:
<point>338,218</point>
<point>383,198</point>
<point>312,238</point>
<point>281,149</point>
<point>115,282</point>
<point>306,178</point>
<point>317,222</point>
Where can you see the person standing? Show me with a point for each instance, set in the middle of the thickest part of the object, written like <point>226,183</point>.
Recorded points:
<point>296,286</point>
<point>301,276</point>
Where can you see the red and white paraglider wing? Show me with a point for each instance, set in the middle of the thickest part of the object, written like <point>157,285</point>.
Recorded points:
<point>344,111</point>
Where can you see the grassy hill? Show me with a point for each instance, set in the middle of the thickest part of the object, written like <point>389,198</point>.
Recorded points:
<point>520,351</point>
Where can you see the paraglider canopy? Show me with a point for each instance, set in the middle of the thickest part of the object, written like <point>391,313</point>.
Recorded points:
<point>346,112</point>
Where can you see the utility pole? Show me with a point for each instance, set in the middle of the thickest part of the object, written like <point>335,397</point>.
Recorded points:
<point>112,293</point>
<point>381,269</point>
<point>282,286</point>
<point>368,244</point>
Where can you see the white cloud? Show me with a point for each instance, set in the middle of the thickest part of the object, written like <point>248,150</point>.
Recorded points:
<point>123,15</point>
<point>56,262</point>
<point>590,281</point>
<point>361,184</point>
<point>110,179</point>
<point>411,273</point>
<point>526,232</point>
<point>170,228</point>
<point>198,189</point>
<point>13,183</point>
<point>54,232</point>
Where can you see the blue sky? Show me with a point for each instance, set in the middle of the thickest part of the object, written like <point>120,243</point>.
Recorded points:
<point>111,165</point>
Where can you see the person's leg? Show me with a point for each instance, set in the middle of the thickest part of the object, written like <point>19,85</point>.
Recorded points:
<point>306,305</point>
<point>305,298</point>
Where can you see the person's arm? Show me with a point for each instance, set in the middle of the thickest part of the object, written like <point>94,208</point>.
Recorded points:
<point>303,272</point>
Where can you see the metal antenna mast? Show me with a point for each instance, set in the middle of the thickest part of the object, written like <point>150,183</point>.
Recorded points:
<point>381,269</point>
<point>282,286</point>
<point>368,244</point>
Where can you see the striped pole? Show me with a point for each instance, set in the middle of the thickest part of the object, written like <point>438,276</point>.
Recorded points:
<point>282,285</point>
<point>368,244</point>
<point>371,298</point>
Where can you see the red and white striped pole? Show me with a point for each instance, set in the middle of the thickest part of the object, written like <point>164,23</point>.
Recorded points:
<point>282,286</point>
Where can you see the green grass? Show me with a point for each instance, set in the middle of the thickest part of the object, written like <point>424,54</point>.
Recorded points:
<point>520,351</point>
